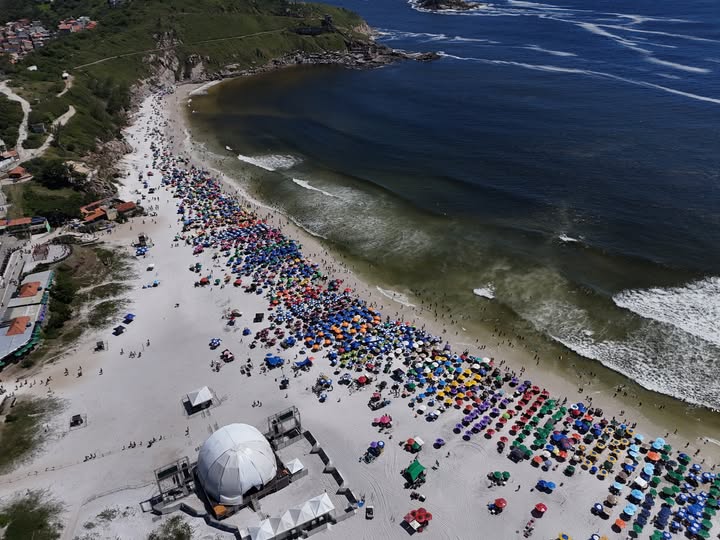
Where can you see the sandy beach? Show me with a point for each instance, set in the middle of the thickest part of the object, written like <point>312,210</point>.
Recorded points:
<point>138,399</point>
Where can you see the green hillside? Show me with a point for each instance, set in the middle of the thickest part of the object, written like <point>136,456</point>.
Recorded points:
<point>129,40</point>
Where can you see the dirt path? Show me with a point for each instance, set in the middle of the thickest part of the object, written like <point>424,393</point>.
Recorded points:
<point>23,133</point>
<point>68,85</point>
<point>59,121</point>
<point>158,49</point>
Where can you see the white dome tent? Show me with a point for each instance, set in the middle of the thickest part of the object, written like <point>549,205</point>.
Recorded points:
<point>234,460</point>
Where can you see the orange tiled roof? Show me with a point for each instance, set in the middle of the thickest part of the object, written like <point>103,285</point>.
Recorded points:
<point>95,214</point>
<point>29,289</point>
<point>17,326</point>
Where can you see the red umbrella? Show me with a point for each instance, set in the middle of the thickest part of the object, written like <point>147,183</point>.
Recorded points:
<point>504,439</point>
<point>540,507</point>
<point>500,503</point>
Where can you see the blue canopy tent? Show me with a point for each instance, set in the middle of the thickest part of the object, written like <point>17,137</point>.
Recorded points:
<point>274,361</point>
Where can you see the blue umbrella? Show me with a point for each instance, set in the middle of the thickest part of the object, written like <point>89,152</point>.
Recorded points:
<point>639,437</point>
<point>630,509</point>
<point>636,494</point>
<point>617,485</point>
<point>550,485</point>
<point>649,469</point>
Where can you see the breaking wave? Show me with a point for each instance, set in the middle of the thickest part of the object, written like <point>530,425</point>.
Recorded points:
<point>400,298</point>
<point>271,162</point>
<point>305,184</point>
<point>486,291</point>
<point>694,308</point>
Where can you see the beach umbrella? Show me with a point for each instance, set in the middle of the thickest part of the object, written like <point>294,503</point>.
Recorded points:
<point>563,536</point>
<point>541,508</point>
<point>630,509</point>
<point>620,523</point>
<point>500,503</point>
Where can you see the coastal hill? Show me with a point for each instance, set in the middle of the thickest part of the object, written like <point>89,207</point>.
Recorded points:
<point>154,43</point>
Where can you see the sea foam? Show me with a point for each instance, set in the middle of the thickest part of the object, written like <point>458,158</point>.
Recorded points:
<point>694,308</point>
<point>398,297</point>
<point>305,184</point>
<point>271,162</point>
<point>486,291</point>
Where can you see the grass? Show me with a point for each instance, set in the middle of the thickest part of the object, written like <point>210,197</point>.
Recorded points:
<point>20,434</point>
<point>77,302</point>
<point>175,528</point>
<point>10,117</point>
<point>32,516</point>
<point>103,313</point>
<point>32,199</point>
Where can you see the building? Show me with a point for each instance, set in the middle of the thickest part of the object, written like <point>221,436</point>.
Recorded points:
<point>233,462</point>
<point>71,26</point>
<point>107,209</point>
<point>20,326</point>
<point>8,159</point>
<point>25,225</point>
<point>18,38</point>
<point>18,172</point>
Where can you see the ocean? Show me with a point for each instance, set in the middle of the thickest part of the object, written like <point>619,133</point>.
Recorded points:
<point>555,173</point>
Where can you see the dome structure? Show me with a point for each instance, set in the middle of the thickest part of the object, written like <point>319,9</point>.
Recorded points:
<point>234,460</point>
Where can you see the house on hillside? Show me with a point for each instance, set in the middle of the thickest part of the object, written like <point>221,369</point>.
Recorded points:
<point>19,173</point>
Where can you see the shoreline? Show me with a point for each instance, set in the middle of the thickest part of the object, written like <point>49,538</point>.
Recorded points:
<point>138,398</point>
<point>564,375</point>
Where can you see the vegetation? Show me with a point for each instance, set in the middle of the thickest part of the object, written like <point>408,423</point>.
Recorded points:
<point>175,528</point>
<point>32,516</point>
<point>33,199</point>
<point>10,117</point>
<point>20,433</point>
<point>86,290</point>
<point>212,29</point>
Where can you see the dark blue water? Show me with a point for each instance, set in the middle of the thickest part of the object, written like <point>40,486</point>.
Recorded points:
<point>561,161</point>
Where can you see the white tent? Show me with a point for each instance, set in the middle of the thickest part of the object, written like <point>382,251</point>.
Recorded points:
<point>265,531</point>
<point>295,466</point>
<point>234,460</point>
<point>199,396</point>
<point>319,505</point>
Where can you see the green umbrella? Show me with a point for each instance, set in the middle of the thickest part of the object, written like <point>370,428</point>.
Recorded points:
<point>497,475</point>
<point>653,492</point>
<point>706,523</point>
<point>710,512</point>
<point>637,528</point>
<point>703,533</point>
<point>506,475</point>
<point>712,503</point>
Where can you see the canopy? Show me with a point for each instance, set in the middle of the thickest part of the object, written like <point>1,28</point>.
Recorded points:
<point>294,466</point>
<point>200,396</point>
<point>414,470</point>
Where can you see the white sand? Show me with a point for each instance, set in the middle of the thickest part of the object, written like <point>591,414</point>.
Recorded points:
<point>137,399</point>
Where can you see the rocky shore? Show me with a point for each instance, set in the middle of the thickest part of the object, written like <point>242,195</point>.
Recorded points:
<point>447,5</point>
<point>360,55</point>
